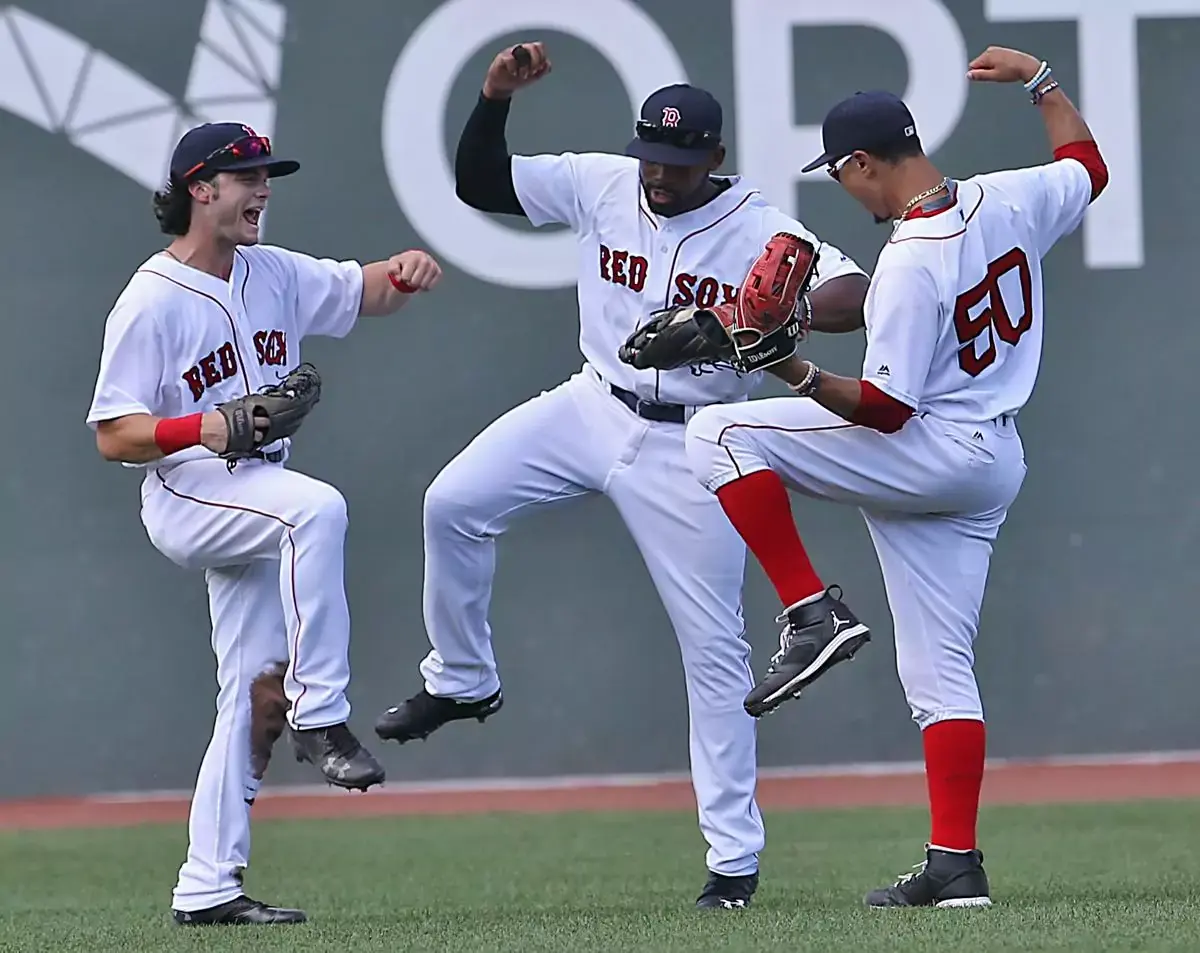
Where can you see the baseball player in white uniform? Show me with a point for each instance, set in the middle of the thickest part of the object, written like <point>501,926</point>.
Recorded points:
<point>654,226</point>
<point>925,444</point>
<point>213,317</point>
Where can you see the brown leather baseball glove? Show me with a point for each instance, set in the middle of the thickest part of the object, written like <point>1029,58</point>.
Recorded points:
<point>268,716</point>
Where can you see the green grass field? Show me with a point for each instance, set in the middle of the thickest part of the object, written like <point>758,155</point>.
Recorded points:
<point>1088,878</point>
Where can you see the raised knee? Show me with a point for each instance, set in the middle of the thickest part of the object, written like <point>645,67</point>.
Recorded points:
<point>326,504</point>
<point>448,503</point>
<point>702,438</point>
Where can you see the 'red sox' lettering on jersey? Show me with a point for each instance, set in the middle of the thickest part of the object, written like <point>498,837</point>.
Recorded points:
<point>212,369</point>
<point>703,292</point>
<point>271,347</point>
<point>622,268</point>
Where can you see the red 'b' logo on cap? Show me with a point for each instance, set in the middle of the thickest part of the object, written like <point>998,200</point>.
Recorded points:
<point>670,116</point>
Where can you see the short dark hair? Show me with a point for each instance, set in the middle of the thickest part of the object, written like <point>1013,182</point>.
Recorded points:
<point>173,204</point>
<point>902,149</point>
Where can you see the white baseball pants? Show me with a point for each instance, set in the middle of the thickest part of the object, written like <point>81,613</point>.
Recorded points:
<point>574,440</point>
<point>270,542</point>
<point>933,495</point>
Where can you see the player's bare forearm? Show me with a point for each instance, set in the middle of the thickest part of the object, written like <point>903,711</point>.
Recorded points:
<point>998,64</point>
<point>837,394</point>
<point>135,437</point>
<point>380,297</point>
<point>837,306</point>
<point>1064,125</point>
<point>841,395</point>
<point>389,285</point>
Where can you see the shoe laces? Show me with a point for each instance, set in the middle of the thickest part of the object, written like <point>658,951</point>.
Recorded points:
<point>916,871</point>
<point>785,641</point>
<point>785,636</point>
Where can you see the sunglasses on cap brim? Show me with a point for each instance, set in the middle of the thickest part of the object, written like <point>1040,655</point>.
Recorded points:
<point>682,138</point>
<point>248,147</point>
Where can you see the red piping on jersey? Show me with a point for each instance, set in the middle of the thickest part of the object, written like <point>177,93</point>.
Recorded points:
<point>941,238</point>
<point>921,212</point>
<point>739,426</point>
<point>288,527</point>
<point>205,294</point>
<point>878,410</point>
<point>641,198</point>
<point>1087,154</point>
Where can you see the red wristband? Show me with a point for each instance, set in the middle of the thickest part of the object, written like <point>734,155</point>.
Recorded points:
<point>402,286</point>
<point>173,434</point>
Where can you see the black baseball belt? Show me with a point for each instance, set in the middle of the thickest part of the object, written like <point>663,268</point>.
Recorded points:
<point>650,409</point>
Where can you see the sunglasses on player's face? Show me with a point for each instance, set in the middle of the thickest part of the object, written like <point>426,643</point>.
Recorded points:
<point>835,168</point>
<point>683,138</point>
<point>248,147</point>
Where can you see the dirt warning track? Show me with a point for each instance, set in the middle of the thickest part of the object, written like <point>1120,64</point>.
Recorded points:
<point>1171,776</point>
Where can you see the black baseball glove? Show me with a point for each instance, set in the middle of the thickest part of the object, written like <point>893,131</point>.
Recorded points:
<point>274,411</point>
<point>760,329</point>
<point>677,337</point>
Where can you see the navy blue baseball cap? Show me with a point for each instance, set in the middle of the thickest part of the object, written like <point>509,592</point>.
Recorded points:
<point>868,122</point>
<point>225,147</point>
<point>679,125</point>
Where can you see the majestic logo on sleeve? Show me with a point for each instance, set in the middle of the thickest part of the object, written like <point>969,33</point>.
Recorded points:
<point>271,347</point>
<point>670,116</point>
<point>212,369</point>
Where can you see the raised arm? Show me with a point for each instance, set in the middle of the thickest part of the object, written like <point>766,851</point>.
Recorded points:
<point>1068,134</point>
<point>482,164</point>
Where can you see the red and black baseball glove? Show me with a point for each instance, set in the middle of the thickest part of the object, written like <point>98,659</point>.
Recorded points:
<point>761,328</point>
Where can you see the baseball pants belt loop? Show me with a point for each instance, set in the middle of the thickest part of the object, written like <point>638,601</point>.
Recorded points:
<point>649,409</point>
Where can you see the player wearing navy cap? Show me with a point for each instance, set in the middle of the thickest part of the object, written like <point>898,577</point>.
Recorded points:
<point>925,443</point>
<point>657,227</point>
<point>213,317</point>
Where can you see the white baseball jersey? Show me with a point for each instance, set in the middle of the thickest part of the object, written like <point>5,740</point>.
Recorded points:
<point>180,341</point>
<point>632,261</point>
<point>954,311</point>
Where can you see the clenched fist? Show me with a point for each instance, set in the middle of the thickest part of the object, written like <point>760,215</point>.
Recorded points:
<point>414,270</point>
<point>998,64</point>
<point>510,71</point>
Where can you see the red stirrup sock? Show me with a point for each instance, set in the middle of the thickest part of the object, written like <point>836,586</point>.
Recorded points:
<point>954,755</point>
<point>759,509</point>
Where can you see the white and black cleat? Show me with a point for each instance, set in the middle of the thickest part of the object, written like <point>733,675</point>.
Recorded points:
<point>818,633</point>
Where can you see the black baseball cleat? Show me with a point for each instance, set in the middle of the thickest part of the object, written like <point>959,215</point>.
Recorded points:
<point>340,757</point>
<point>816,636</point>
<point>239,912</point>
<point>946,879</point>
<point>423,714</point>
<point>727,893</point>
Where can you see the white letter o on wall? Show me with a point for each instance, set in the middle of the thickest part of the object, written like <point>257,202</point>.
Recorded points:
<point>414,111</point>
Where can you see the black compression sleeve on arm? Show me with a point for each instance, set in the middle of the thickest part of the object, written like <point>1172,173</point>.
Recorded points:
<point>482,166</point>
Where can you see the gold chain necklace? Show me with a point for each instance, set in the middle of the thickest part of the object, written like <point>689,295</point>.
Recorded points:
<point>921,197</point>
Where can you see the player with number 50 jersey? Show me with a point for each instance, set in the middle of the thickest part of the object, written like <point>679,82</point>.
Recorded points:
<point>924,444</point>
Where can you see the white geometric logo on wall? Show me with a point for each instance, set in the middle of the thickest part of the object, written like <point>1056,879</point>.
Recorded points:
<point>55,80</point>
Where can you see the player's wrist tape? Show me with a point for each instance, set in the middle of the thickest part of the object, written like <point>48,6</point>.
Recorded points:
<point>402,286</point>
<point>173,434</point>
<point>806,386</point>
